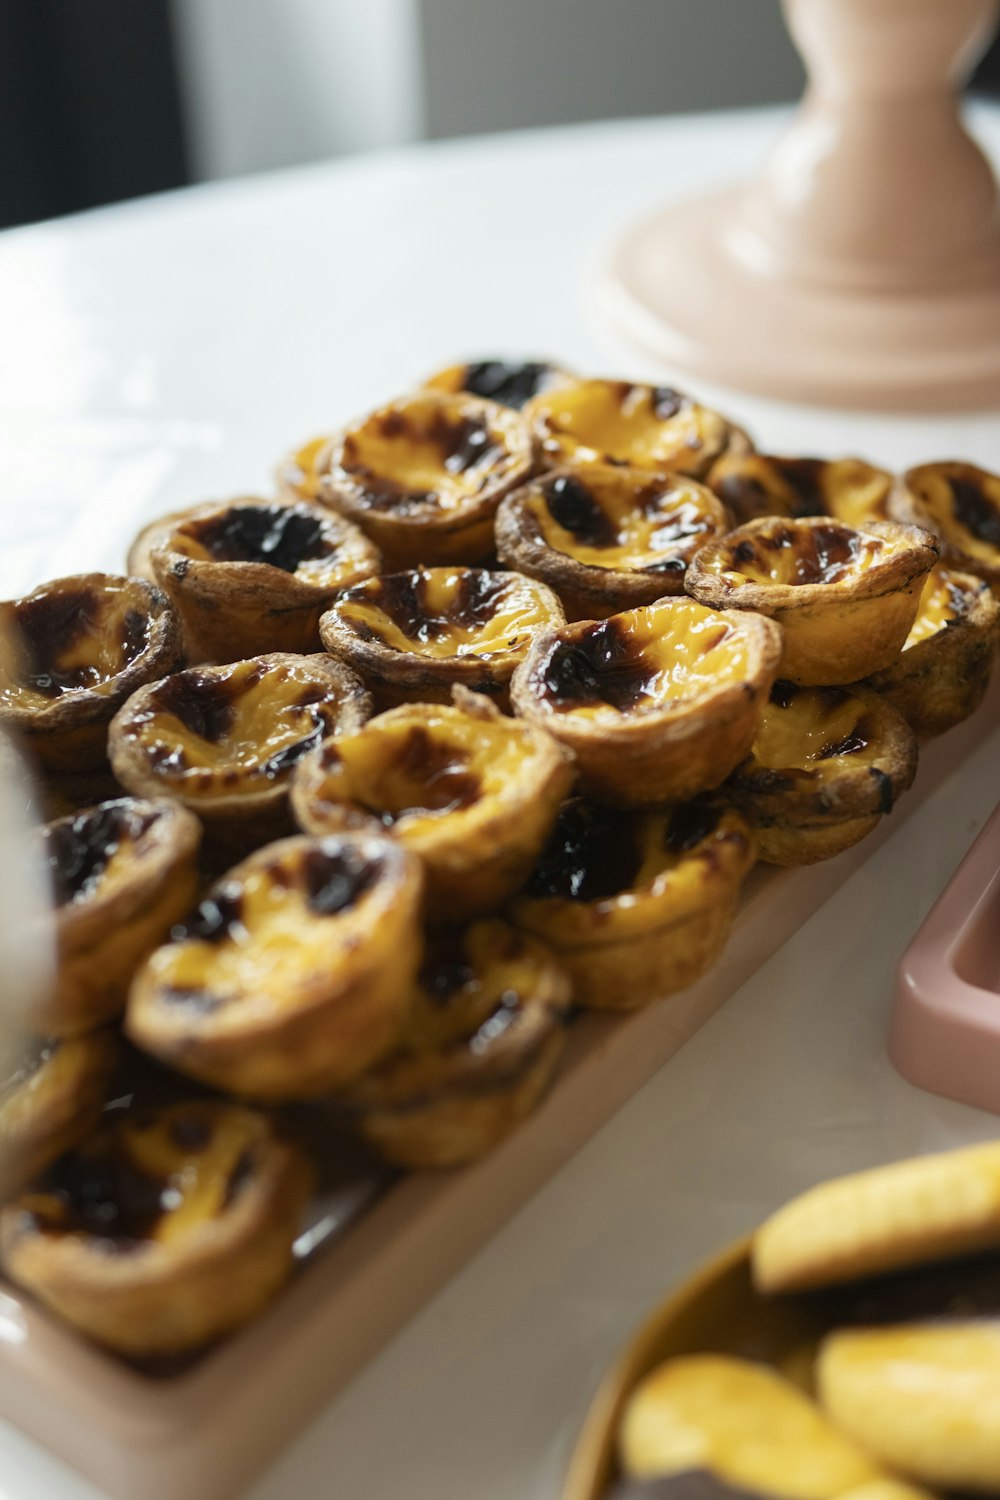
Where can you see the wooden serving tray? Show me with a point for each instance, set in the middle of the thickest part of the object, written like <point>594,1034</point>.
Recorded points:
<point>379,1247</point>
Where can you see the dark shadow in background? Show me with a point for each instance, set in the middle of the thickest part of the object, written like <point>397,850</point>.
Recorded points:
<point>90,107</point>
<point>90,104</point>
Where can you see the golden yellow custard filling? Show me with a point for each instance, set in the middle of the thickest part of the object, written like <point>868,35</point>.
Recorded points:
<point>418,764</point>
<point>300,471</point>
<point>642,661</point>
<point>297,539</point>
<point>941,601</point>
<point>622,518</point>
<point>467,978</point>
<point>214,730</point>
<point>428,451</point>
<point>808,728</point>
<point>614,421</point>
<point>447,612</point>
<point>791,554</point>
<point>155,1179</point>
<point>758,484</point>
<point>510,382</point>
<point>95,851</point>
<point>962,504</point>
<point>267,934</point>
<point>70,636</point>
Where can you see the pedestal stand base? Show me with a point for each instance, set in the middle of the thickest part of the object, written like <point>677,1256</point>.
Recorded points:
<point>680,289</point>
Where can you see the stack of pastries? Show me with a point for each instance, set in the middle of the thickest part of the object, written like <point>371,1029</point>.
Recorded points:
<point>359,791</point>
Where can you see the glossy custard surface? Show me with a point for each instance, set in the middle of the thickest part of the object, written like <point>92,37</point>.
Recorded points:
<point>611,859</point>
<point>757,484</point>
<point>471,984</point>
<point>428,451</point>
<point>443,613</point>
<point>804,728</point>
<point>942,601</point>
<point>94,850</point>
<point>792,555</point>
<point>613,421</point>
<point>301,470</point>
<point>962,503</point>
<point>642,660</point>
<point>151,1179</point>
<point>68,636</point>
<point>293,538</point>
<point>416,765</point>
<point>212,731</point>
<point>608,517</point>
<point>263,932</point>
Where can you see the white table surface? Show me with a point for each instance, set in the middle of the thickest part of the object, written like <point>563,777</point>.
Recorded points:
<point>169,352</point>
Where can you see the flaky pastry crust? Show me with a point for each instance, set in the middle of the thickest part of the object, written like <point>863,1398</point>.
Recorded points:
<point>607,537</point>
<point>424,475</point>
<point>122,874</point>
<point>845,596</point>
<point>483,1037</point>
<point>657,703</point>
<point>637,905</point>
<point>251,575</point>
<point>471,792</point>
<point>71,652</point>
<point>162,1231</point>
<point>292,976</point>
<point>414,636</point>
<point>941,675</point>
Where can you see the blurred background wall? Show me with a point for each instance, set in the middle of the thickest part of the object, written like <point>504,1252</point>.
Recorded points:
<point>105,99</point>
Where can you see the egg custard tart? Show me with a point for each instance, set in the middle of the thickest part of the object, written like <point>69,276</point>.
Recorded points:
<point>826,765</point>
<point>656,703</point>
<point>121,874</point>
<point>473,793</point>
<point>163,1230</point>
<point>619,422</point>
<point>485,1030</point>
<point>943,671</point>
<point>508,382</point>
<point>225,740</point>
<point>424,475</point>
<point>412,636</point>
<point>764,484</point>
<point>293,974</point>
<point>50,1101</point>
<point>252,575</point>
<point>637,905</point>
<point>299,471</point>
<point>607,537</point>
<point>845,596</point>
<point>960,504</point>
<point>71,652</point>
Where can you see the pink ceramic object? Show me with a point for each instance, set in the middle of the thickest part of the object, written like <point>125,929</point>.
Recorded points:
<point>863,266</point>
<point>945,1030</point>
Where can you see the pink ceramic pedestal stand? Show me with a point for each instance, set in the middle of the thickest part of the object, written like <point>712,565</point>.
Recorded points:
<point>862,268</point>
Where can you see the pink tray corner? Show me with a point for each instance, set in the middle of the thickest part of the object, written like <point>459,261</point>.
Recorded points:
<point>944,1033</point>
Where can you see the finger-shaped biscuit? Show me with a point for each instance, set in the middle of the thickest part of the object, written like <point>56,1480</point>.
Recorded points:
<point>925,1398</point>
<point>908,1213</point>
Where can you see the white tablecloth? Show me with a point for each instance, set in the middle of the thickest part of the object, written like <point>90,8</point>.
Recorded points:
<point>168,352</point>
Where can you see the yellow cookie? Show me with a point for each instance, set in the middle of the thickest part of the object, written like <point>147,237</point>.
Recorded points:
<point>743,1423</point>
<point>925,1398</point>
<point>905,1214</point>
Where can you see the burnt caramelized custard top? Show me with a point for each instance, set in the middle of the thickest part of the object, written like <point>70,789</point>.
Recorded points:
<point>758,484</point>
<point>444,612</point>
<point>428,452</point>
<point>509,383</point>
<point>75,634</point>
<point>282,536</point>
<point>625,518</point>
<point>243,727</point>
<point>596,853</point>
<point>78,850</point>
<point>149,1178</point>
<point>961,503</point>
<point>642,660</point>
<point>316,548</point>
